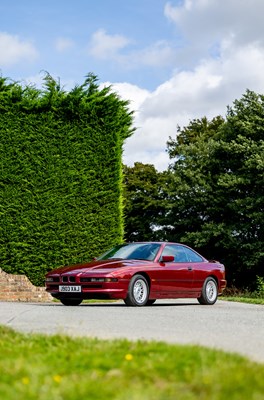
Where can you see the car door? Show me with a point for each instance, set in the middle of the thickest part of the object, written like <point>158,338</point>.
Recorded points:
<point>177,276</point>
<point>199,266</point>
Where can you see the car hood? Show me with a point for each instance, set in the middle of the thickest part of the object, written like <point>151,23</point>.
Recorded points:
<point>101,266</point>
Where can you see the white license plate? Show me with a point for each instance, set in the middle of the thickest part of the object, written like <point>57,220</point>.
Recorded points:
<point>70,289</point>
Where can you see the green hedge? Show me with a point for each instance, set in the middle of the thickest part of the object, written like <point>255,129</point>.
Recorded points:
<point>60,174</point>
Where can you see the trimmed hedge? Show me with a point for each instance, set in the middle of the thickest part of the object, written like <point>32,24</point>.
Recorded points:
<point>60,174</point>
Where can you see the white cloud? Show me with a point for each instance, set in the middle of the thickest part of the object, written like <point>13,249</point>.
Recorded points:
<point>208,21</point>
<point>14,50</point>
<point>206,90</point>
<point>213,80</point>
<point>130,92</point>
<point>104,46</point>
<point>206,26</point>
<point>62,44</point>
<point>111,47</point>
<point>158,54</point>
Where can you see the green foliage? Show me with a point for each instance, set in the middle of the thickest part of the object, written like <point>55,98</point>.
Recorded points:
<point>144,202</point>
<point>60,174</point>
<point>58,367</point>
<point>218,188</point>
<point>260,286</point>
<point>246,295</point>
<point>212,196</point>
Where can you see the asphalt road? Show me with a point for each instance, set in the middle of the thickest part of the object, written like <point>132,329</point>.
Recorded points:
<point>233,327</point>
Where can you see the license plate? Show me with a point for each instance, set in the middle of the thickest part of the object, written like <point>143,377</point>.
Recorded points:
<point>70,289</point>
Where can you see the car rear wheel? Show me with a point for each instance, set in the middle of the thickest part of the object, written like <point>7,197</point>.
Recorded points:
<point>71,302</point>
<point>138,291</point>
<point>209,292</point>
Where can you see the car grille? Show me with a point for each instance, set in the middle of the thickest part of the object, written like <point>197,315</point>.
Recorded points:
<point>70,279</point>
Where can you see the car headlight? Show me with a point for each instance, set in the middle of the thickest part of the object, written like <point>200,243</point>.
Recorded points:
<point>49,279</point>
<point>104,279</point>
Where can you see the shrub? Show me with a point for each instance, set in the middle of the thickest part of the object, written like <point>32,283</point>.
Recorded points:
<point>60,182</point>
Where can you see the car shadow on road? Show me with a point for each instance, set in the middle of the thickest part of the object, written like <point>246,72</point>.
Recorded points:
<point>131,307</point>
<point>119,304</point>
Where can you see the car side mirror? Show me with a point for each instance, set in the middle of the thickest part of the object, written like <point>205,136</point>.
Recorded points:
<point>166,259</point>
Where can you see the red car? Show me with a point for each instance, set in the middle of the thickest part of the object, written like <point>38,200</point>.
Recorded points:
<point>140,273</point>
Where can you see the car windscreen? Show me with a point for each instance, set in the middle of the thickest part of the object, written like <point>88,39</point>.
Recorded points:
<point>136,251</point>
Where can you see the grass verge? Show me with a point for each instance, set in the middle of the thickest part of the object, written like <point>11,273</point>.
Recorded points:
<point>243,299</point>
<point>58,367</point>
<point>245,296</point>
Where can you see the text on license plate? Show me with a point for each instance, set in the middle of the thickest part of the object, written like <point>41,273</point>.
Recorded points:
<point>70,288</point>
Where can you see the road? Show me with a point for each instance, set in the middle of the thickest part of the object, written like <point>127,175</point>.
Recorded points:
<point>233,327</point>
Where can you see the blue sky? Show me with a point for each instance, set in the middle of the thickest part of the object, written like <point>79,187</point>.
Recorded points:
<point>174,60</point>
<point>64,35</point>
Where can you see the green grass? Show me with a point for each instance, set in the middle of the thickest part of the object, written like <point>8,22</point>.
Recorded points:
<point>44,367</point>
<point>246,296</point>
<point>243,299</point>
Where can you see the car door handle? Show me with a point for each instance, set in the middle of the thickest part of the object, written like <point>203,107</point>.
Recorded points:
<point>190,268</point>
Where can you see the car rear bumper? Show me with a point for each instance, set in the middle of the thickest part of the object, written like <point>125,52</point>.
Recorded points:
<point>222,285</point>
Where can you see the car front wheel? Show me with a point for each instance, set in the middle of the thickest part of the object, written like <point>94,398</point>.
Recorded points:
<point>209,292</point>
<point>138,291</point>
<point>71,302</point>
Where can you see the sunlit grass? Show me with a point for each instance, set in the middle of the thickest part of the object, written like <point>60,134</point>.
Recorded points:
<point>241,299</point>
<point>58,367</point>
<point>246,296</point>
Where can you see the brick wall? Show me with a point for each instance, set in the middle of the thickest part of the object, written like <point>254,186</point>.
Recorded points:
<point>19,288</point>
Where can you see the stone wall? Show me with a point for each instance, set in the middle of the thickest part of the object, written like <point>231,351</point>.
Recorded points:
<point>19,288</point>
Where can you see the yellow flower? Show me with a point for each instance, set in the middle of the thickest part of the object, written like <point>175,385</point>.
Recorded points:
<point>25,380</point>
<point>57,378</point>
<point>129,357</point>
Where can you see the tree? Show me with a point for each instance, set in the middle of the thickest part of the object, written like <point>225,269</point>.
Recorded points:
<point>217,196</point>
<point>144,202</point>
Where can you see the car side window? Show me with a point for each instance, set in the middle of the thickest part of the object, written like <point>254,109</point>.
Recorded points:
<point>181,253</point>
<point>192,255</point>
<point>177,251</point>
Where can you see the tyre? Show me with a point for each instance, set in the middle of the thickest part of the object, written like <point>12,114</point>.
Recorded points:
<point>138,291</point>
<point>209,292</point>
<point>71,302</point>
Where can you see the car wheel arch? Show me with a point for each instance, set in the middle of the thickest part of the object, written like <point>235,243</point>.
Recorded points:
<point>145,275</point>
<point>215,278</point>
